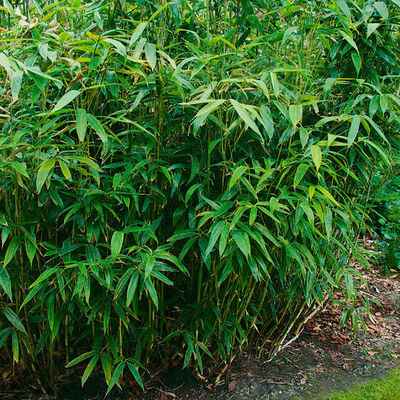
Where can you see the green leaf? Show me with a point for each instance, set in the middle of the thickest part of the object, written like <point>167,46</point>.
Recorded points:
<point>66,99</point>
<point>117,241</point>
<point>44,275</point>
<point>316,154</point>
<point>204,112</point>
<point>132,288</point>
<point>122,282</point>
<point>65,170</point>
<point>326,193</point>
<point>300,172</point>
<point>5,63</point>
<point>223,239</point>
<point>14,319</point>
<point>137,33</point>
<point>16,83</point>
<point>98,128</point>
<point>117,373</point>
<point>303,136</point>
<point>382,9</point>
<point>11,250</point>
<point>119,47</point>
<point>80,358</point>
<point>275,83</point>
<point>151,55</point>
<point>4,334</point>
<point>191,190</point>
<point>149,265</point>
<point>152,291</point>
<point>215,233</point>
<point>81,123</point>
<point>43,173</point>
<point>243,114</point>
<point>15,346</point>
<point>30,246</point>
<point>356,61</point>
<point>237,173</point>
<point>353,131</point>
<point>288,33</point>
<point>136,375</point>
<point>106,362</point>
<point>371,28</point>
<point>242,240</point>
<point>5,283</point>
<point>30,295</point>
<point>89,369</point>
<point>328,222</point>
<point>349,40</point>
<point>295,113</point>
<point>20,167</point>
<point>344,8</point>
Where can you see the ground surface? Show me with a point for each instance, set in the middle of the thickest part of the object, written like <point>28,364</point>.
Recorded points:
<point>325,359</point>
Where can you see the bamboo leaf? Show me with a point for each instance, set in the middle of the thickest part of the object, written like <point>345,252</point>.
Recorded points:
<point>116,375</point>
<point>11,250</point>
<point>43,173</point>
<point>237,173</point>
<point>371,28</point>
<point>5,283</point>
<point>16,83</point>
<point>43,276</point>
<point>66,99</point>
<point>316,154</point>
<point>65,170</point>
<point>191,190</point>
<point>132,288</point>
<point>382,9</point>
<point>243,114</point>
<point>300,172</point>
<point>353,131</point>
<point>242,241</point>
<point>14,319</point>
<point>15,346</point>
<point>295,114</point>
<point>149,265</point>
<point>81,124</point>
<point>137,33</point>
<point>136,374</point>
<point>80,358</point>
<point>98,128</point>
<point>344,8</point>
<point>117,241</point>
<point>106,363</point>
<point>152,291</point>
<point>151,55</point>
<point>89,369</point>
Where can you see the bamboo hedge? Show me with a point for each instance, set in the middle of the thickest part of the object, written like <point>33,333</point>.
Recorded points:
<point>181,179</point>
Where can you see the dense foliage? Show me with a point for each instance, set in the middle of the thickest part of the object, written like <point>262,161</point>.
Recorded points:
<point>385,204</point>
<point>182,178</point>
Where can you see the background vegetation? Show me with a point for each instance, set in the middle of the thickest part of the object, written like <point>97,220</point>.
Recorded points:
<point>183,178</point>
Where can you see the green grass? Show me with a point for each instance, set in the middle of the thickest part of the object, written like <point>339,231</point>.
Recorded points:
<point>387,388</point>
